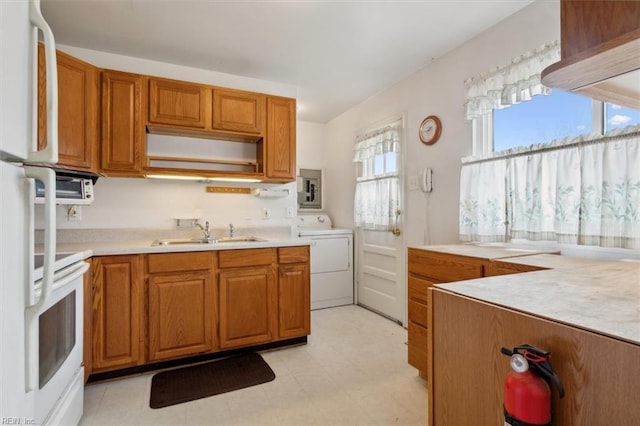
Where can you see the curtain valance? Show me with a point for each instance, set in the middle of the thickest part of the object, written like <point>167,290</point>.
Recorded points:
<point>511,83</point>
<point>376,143</point>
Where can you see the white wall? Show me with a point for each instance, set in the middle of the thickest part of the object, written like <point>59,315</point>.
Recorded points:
<point>151,203</point>
<point>435,90</point>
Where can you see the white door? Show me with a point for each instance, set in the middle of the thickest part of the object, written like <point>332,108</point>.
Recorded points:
<point>381,281</point>
<point>380,262</point>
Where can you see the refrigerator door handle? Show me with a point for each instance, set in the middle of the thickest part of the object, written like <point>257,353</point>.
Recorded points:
<point>32,312</point>
<point>50,153</point>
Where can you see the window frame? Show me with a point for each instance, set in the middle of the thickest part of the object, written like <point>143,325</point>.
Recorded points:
<point>482,129</point>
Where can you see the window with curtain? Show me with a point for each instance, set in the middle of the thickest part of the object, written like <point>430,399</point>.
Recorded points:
<point>377,196</point>
<point>577,190</point>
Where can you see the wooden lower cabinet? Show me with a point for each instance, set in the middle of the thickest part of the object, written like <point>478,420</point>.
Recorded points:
<point>117,311</point>
<point>294,298</point>
<point>193,303</point>
<point>466,386</point>
<point>181,304</point>
<point>418,313</point>
<point>247,306</point>
<point>87,322</point>
<point>427,268</point>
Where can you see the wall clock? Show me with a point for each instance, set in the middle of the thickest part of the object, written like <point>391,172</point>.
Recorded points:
<point>430,130</point>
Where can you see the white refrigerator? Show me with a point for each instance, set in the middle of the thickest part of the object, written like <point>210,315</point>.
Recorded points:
<point>40,307</point>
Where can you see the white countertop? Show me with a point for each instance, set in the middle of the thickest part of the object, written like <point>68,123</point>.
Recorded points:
<point>144,246</point>
<point>599,296</point>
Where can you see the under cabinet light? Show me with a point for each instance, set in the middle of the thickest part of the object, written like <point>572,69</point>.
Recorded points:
<point>203,179</point>
<point>175,177</point>
<point>222,179</point>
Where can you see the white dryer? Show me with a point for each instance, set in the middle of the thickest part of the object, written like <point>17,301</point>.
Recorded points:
<point>331,260</point>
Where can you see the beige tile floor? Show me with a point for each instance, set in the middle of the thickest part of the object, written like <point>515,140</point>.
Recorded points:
<point>353,371</point>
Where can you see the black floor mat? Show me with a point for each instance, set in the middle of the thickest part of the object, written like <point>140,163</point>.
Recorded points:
<point>208,379</point>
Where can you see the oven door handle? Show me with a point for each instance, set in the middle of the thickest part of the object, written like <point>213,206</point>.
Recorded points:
<point>48,178</point>
<point>75,271</point>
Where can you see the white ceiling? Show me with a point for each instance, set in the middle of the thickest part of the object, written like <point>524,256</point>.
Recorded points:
<point>337,53</point>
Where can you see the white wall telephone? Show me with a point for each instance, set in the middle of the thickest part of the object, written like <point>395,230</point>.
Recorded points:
<point>426,180</point>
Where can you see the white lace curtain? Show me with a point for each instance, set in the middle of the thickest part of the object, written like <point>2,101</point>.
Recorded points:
<point>584,190</point>
<point>509,84</point>
<point>377,195</point>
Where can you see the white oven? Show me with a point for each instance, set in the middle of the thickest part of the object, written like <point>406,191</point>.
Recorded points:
<point>54,343</point>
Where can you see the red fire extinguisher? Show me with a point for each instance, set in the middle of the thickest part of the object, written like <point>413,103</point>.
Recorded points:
<point>527,395</point>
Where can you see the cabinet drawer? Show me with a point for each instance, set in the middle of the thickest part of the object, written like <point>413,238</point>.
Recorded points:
<point>418,312</point>
<point>293,254</point>
<point>418,288</point>
<point>444,267</point>
<point>418,355</point>
<point>176,262</point>
<point>248,257</point>
<point>418,336</point>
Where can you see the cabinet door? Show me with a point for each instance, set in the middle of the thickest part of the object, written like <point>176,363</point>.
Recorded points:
<point>181,315</point>
<point>280,143</point>
<point>238,111</point>
<point>117,312</point>
<point>247,306</point>
<point>178,103</point>
<point>77,110</point>
<point>87,322</point>
<point>294,303</point>
<point>122,126</point>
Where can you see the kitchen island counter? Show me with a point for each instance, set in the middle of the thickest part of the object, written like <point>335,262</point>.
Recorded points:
<point>586,313</point>
<point>599,296</point>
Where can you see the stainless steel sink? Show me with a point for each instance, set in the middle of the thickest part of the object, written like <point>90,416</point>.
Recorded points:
<point>187,241</point>
<point>239,239</point>
<point>183,241</point>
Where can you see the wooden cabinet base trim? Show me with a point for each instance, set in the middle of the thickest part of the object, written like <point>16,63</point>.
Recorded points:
<point>99,376</point>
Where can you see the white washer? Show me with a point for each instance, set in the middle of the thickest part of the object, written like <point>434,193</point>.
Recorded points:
<point>331,261</point>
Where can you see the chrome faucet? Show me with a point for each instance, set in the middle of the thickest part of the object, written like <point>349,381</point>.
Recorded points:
<point>231,230</point>
<point>205,229</point>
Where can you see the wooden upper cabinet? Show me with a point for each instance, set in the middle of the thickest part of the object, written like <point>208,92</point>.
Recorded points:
<point>280,143</point>
<point>123,134</point>
<point>239,111</point>
<point>600,51</point>
<point>77,111</point>
<point>587,24</point>
<point>179,103</point>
